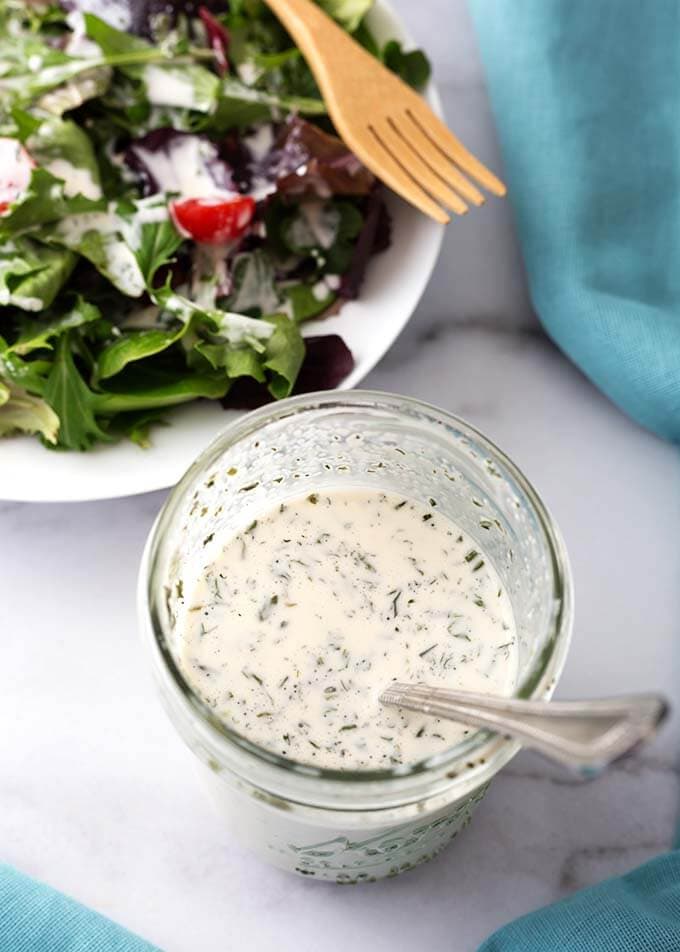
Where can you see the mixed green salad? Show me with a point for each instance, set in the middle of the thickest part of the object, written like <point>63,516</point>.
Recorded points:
<point>174,202</point>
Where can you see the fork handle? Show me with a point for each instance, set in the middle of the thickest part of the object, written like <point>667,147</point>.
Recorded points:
<point>587,735</point>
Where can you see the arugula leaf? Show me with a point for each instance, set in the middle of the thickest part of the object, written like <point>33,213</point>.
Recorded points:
<point>72,401</point>
<point>104,239</point>
<point>112,42</point>
<point>413,67</point>
<point>308,302</point>
<point>136,425</point>
<point>156,243</point>
<point>348,13</point>
<point>37,334</point>
<point>18,85</point>
<point>32,274</point>
<point>20,411</point>
<point>132,346</point>
<point>241,105</point>
<point>188,86</point>
<point>152,388</point>
<point>283,356</point>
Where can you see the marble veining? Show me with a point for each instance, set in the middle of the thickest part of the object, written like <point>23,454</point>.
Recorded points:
<point>97,794</point>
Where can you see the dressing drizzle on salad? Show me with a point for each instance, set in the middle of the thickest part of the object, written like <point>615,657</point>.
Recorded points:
<point>167,183</point>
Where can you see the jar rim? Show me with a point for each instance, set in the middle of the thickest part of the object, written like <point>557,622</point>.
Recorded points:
<point>543,678</point>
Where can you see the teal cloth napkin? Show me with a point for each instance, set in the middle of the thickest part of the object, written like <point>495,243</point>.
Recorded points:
<point>586,97</point>
<point>36,918</point>
<point>639,912</point>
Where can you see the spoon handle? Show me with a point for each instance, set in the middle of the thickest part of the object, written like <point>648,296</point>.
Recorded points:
<point>587,735</point>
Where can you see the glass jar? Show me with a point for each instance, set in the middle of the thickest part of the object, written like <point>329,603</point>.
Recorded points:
<point>356,826</point>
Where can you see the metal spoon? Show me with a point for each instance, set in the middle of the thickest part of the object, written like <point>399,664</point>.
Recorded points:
<point>586,735</point>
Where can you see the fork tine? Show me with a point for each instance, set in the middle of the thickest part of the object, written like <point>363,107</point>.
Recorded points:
<point>422,116</point>
<point>416,167</point>
<point>381,161</point>
<point>422,145</point>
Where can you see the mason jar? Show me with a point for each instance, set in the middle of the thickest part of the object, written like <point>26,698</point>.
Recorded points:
<point>342,825</point>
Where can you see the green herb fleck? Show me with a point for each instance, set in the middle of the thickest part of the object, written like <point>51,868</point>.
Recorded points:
<point>395,603</point>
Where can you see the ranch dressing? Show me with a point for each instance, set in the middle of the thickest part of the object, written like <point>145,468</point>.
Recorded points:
<point>301,619</point>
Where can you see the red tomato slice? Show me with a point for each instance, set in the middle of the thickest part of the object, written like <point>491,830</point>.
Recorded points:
<point>213,221</point>
<point>15,171</point>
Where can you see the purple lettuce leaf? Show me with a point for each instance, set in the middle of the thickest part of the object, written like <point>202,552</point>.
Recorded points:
<point>375,236</point>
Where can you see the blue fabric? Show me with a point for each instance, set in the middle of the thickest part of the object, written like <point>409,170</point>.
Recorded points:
<point>639,912</point>
<point>36,918</point>
<point>586,97</point>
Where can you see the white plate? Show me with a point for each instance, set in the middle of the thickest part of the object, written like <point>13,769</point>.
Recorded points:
<point>394,283</point>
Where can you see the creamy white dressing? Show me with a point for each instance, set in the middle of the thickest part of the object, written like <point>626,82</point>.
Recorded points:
<point>115,12</point>
<point>168,87</point>
<point>183,167</point>
<point>298,622</point>
<point>20,300</point>
<point>76,181</point>
<point>260,141</point>
<point>248,73</point>
<point>118,259</point>
<point>316,224</point>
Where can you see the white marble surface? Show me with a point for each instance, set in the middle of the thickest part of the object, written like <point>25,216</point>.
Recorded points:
<point>97,795</point>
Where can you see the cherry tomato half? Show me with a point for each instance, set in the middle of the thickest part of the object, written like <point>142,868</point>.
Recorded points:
<point>213,221</point>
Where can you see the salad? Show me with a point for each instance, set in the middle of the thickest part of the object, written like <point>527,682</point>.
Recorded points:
<point>174,204</point>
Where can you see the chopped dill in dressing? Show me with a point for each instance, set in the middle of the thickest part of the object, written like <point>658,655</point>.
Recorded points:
<point>301,619</point>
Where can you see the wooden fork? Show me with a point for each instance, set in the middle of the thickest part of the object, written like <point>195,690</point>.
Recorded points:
<point>383,121</point>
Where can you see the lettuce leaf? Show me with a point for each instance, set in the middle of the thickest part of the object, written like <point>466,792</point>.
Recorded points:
<point>21,412</point>
<point>127,243</point>
<point>413,66</point>
<point>241,105</point>
<point>133,346</point>
<point>72,401</point>
<point>152,388</point>
<point>39,334</point>
<point>32,274</point>
<point>283,356</point>
<point>62,147</point>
